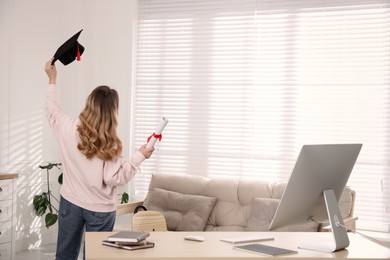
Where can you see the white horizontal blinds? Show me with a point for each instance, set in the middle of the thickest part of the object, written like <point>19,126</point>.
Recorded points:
<point>246,83</point>
<point>175,78</point>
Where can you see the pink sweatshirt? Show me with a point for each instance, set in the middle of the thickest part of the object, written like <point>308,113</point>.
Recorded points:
<point>90,184</point>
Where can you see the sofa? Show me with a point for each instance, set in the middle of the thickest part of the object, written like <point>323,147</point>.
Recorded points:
<point>197,203</point>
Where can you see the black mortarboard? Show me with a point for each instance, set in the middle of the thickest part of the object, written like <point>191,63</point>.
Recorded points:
<point>69,51</point>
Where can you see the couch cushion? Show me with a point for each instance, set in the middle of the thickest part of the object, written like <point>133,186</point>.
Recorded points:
<point>263,211</point>
<point>183,212</point>
<point>346,203</point>
<point>235,195</point>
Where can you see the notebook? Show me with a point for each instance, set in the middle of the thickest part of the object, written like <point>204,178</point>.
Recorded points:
<point>264,249</point>
<point>135,246</point>
<point>246,239</point>
<point>128,236</point>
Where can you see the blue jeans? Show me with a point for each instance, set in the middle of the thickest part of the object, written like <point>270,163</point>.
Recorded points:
<point>72,220</point>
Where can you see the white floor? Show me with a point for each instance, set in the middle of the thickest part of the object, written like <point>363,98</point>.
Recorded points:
<point>46,252</point>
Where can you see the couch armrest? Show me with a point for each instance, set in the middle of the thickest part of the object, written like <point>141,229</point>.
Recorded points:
<point>127,208</point>
<point>350,223</point>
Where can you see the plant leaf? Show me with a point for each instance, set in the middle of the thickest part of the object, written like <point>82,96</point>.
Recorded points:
<point>41,210</point>
<point>37,200</point>
<point>50,219</point>
<point>48,167</point>
<point>125,198</point>
<point>60,178</point>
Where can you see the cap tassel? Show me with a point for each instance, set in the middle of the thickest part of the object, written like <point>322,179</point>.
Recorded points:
<point>78,52</point>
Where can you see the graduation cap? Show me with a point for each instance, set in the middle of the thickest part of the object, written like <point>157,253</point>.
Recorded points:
<point>69,51</point>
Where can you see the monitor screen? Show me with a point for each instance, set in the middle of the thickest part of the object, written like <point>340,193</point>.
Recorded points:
<point>318,168</point>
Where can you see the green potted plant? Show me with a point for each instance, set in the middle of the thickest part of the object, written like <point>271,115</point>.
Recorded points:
<point>43,202</point>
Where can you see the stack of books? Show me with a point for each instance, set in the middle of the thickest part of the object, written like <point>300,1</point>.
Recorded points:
<point>128,240</point>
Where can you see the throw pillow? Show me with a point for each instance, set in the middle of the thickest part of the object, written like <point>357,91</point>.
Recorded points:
<point>263,211</point>
<point>183,212</point>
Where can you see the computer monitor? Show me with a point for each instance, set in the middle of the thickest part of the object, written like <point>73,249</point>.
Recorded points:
<point>316,183</point>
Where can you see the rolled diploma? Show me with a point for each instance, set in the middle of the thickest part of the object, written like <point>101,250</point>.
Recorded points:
<point>159,129</point>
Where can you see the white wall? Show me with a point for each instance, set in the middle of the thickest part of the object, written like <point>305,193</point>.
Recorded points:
<point>30,33</point>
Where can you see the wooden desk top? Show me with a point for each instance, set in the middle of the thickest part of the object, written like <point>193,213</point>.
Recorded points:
<point>6,176</point>
<point>171,245</point>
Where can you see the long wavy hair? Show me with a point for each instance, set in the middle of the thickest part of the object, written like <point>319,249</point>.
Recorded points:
<point>98,124</point>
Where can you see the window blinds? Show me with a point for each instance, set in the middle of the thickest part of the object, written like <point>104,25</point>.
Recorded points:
<point>246,83</point>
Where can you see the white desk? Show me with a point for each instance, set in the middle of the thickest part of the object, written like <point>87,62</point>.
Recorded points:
<point>171,245</point>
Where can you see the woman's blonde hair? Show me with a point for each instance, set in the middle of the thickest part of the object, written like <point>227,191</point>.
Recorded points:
<point>98,123</point>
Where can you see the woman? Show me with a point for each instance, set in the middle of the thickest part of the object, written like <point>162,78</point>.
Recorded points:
<point>92,164</point>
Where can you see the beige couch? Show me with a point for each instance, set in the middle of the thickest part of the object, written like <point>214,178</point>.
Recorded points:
<point>195,203</point>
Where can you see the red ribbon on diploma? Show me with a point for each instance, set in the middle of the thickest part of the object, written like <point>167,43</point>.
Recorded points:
<point>159,137</point>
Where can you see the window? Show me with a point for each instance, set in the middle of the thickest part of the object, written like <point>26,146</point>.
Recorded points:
<point>246,83</point>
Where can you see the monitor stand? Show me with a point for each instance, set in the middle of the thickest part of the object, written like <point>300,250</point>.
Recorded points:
<point>339,239</point>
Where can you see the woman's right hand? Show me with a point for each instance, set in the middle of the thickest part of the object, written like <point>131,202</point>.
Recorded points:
<point>147,152</point>
<point>51,72</point>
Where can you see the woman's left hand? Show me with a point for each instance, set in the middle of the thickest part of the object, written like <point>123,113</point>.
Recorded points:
<point>51,71</point>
